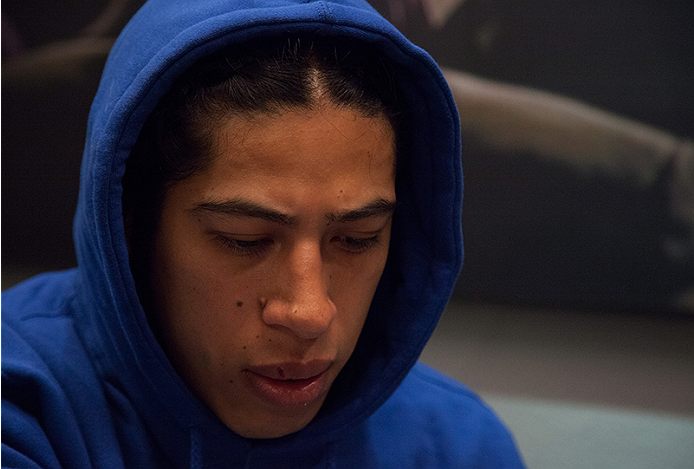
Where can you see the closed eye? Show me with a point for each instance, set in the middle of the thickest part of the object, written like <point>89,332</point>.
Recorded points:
<point>244,247</point>
<point>357,245</point>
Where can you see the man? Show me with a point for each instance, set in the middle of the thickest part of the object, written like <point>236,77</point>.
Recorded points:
<point>267,233</point>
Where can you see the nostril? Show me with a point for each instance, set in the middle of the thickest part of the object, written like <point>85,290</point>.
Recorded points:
<point>308,320</point>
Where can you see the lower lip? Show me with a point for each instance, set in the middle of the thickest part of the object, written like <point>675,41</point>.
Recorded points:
<point>287,393</point>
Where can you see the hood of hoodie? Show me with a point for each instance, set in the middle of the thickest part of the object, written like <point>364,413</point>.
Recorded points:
<point>164,39</point>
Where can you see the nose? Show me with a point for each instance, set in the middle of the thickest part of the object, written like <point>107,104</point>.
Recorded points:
<point>302,303</point>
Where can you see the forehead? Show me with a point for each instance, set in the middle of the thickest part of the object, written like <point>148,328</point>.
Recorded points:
<point>307,144</point>
<point>302,162</point>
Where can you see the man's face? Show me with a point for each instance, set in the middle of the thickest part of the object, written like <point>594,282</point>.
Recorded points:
<point>265,264</point>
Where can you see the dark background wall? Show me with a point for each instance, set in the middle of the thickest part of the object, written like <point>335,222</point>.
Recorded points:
<point>52,56</point>
<point>539,230</point>
<point>633,57</point>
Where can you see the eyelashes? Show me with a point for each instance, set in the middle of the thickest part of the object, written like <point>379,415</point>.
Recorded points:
<point>244,247</point>
<point>257,247</point>
<point>357,245</point>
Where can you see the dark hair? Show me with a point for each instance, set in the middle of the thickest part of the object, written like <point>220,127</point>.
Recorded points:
<point>270,75</point>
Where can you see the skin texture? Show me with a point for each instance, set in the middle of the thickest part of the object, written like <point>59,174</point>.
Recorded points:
<point>265,264</point>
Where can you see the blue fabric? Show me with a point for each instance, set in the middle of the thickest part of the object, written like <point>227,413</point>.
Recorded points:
<point>84,381</point>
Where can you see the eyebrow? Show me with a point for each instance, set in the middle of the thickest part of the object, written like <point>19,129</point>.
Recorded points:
<point>248,209</point>
<point>376,208</point>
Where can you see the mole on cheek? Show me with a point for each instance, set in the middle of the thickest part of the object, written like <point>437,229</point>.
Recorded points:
<point>239,303</point>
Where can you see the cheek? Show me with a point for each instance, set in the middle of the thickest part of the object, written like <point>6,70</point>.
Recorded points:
<point>189,277</point>
<point>356,288</point>
<point>196,310</point>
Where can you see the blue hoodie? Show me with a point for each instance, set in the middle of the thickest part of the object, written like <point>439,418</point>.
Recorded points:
<point>86,384</point>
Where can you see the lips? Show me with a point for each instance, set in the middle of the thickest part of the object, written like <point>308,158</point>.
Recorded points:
<point>289,384</point>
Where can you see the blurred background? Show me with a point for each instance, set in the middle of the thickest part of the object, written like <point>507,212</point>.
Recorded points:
<point>574,314</point>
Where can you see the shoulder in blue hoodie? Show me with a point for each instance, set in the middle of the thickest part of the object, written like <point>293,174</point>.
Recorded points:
<point>87,382</point>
